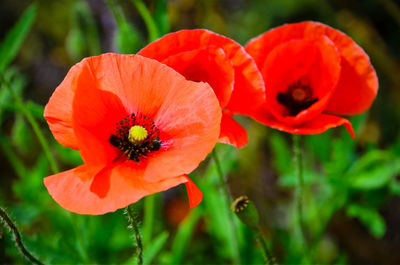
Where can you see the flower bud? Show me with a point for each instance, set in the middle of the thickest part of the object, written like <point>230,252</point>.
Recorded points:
<point>246,211</point>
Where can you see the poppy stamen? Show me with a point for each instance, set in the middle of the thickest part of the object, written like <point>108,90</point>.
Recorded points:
<point>298,97</point>
<point>136,136</point>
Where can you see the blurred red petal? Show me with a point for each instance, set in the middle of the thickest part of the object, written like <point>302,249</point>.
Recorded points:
<point>358,83</point>
<point>194,193</point>
<point>315,60</point>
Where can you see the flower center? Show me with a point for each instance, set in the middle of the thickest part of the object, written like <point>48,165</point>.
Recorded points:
<point>136,136</point>
<point>298,97</point>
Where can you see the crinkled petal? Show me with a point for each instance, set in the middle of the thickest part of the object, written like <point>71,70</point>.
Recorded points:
<point>72,190</point>
<point>248,90</point>
<point>232,132</point>
<point>187,113</point>
<point>319,124</point>
<point>206,65</point>
<point>358,83</point>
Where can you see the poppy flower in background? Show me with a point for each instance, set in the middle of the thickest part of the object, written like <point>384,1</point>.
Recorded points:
<point>139,126</point>
<point>312,73</point>
<point>202,55</point>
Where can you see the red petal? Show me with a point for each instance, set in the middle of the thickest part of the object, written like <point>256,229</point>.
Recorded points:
<point>315,60</point>
<point>95,115</point>
<point>58,111</point>
<point>113,86</point>
<point>232,132</point>
<point>71,189</point>
<point>206,65</point>
<point>194,193</point>
<point>358,84</point>
<point>248,90</point>
<point>319,124</point>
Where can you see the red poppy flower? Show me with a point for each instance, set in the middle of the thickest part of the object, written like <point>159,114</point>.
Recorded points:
<point>312,73</point>
<point>139,126</point>
<point>201,55</point>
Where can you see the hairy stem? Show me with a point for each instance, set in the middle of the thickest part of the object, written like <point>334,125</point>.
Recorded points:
<point>300,187</point>
<point>133,223</point>
<point>7,220</point>
<point>269,259</point>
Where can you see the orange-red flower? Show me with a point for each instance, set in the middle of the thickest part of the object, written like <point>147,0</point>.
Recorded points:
<point>312,73</point>
<point>139,126</point>
<point>201,55</point>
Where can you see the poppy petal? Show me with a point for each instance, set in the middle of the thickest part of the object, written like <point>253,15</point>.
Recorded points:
<point>194,193</point>
<point>206,65</point>
<point>187,113</point>
<point>58,111</point>
<point>316,61</point>
<point>248,90</point>
<point>357,87</point>
<point>358,83</point>
<point>95,115</point>
<point>317,125</point>
<point>232,132</point>
<point>188,138</point>
<point>72,190</point>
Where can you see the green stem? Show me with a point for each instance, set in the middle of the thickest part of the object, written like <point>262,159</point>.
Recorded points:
<point>35,126</point>
<point>17,237</point>
<point>300,187</point>
<point>133,224</point>
<point>148,20</point>
<point>221,175</point>
<point>269,259</point>
<point>229,201</point>
<point>149,212</point>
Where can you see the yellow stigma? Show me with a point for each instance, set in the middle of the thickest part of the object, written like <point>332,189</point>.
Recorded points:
<point>137,134</point>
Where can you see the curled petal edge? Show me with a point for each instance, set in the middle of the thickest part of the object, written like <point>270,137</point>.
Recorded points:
<point>319,124</point>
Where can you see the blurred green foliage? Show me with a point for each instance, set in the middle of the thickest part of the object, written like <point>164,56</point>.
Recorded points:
<point>352,187</point>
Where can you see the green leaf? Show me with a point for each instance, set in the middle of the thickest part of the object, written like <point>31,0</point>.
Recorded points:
<point>17,85</point>
<point>394,187</point>
<point>281,152</point>
<point>369,217</point>
<point>14,38</point>
<point>374,170</point>
<point>155,247</point>
<point>83,38</point>
<point>21,135</point>
<point>148,20</point>
<point>127,38</point>
<point>224,228</point>
<point>161,16</point>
